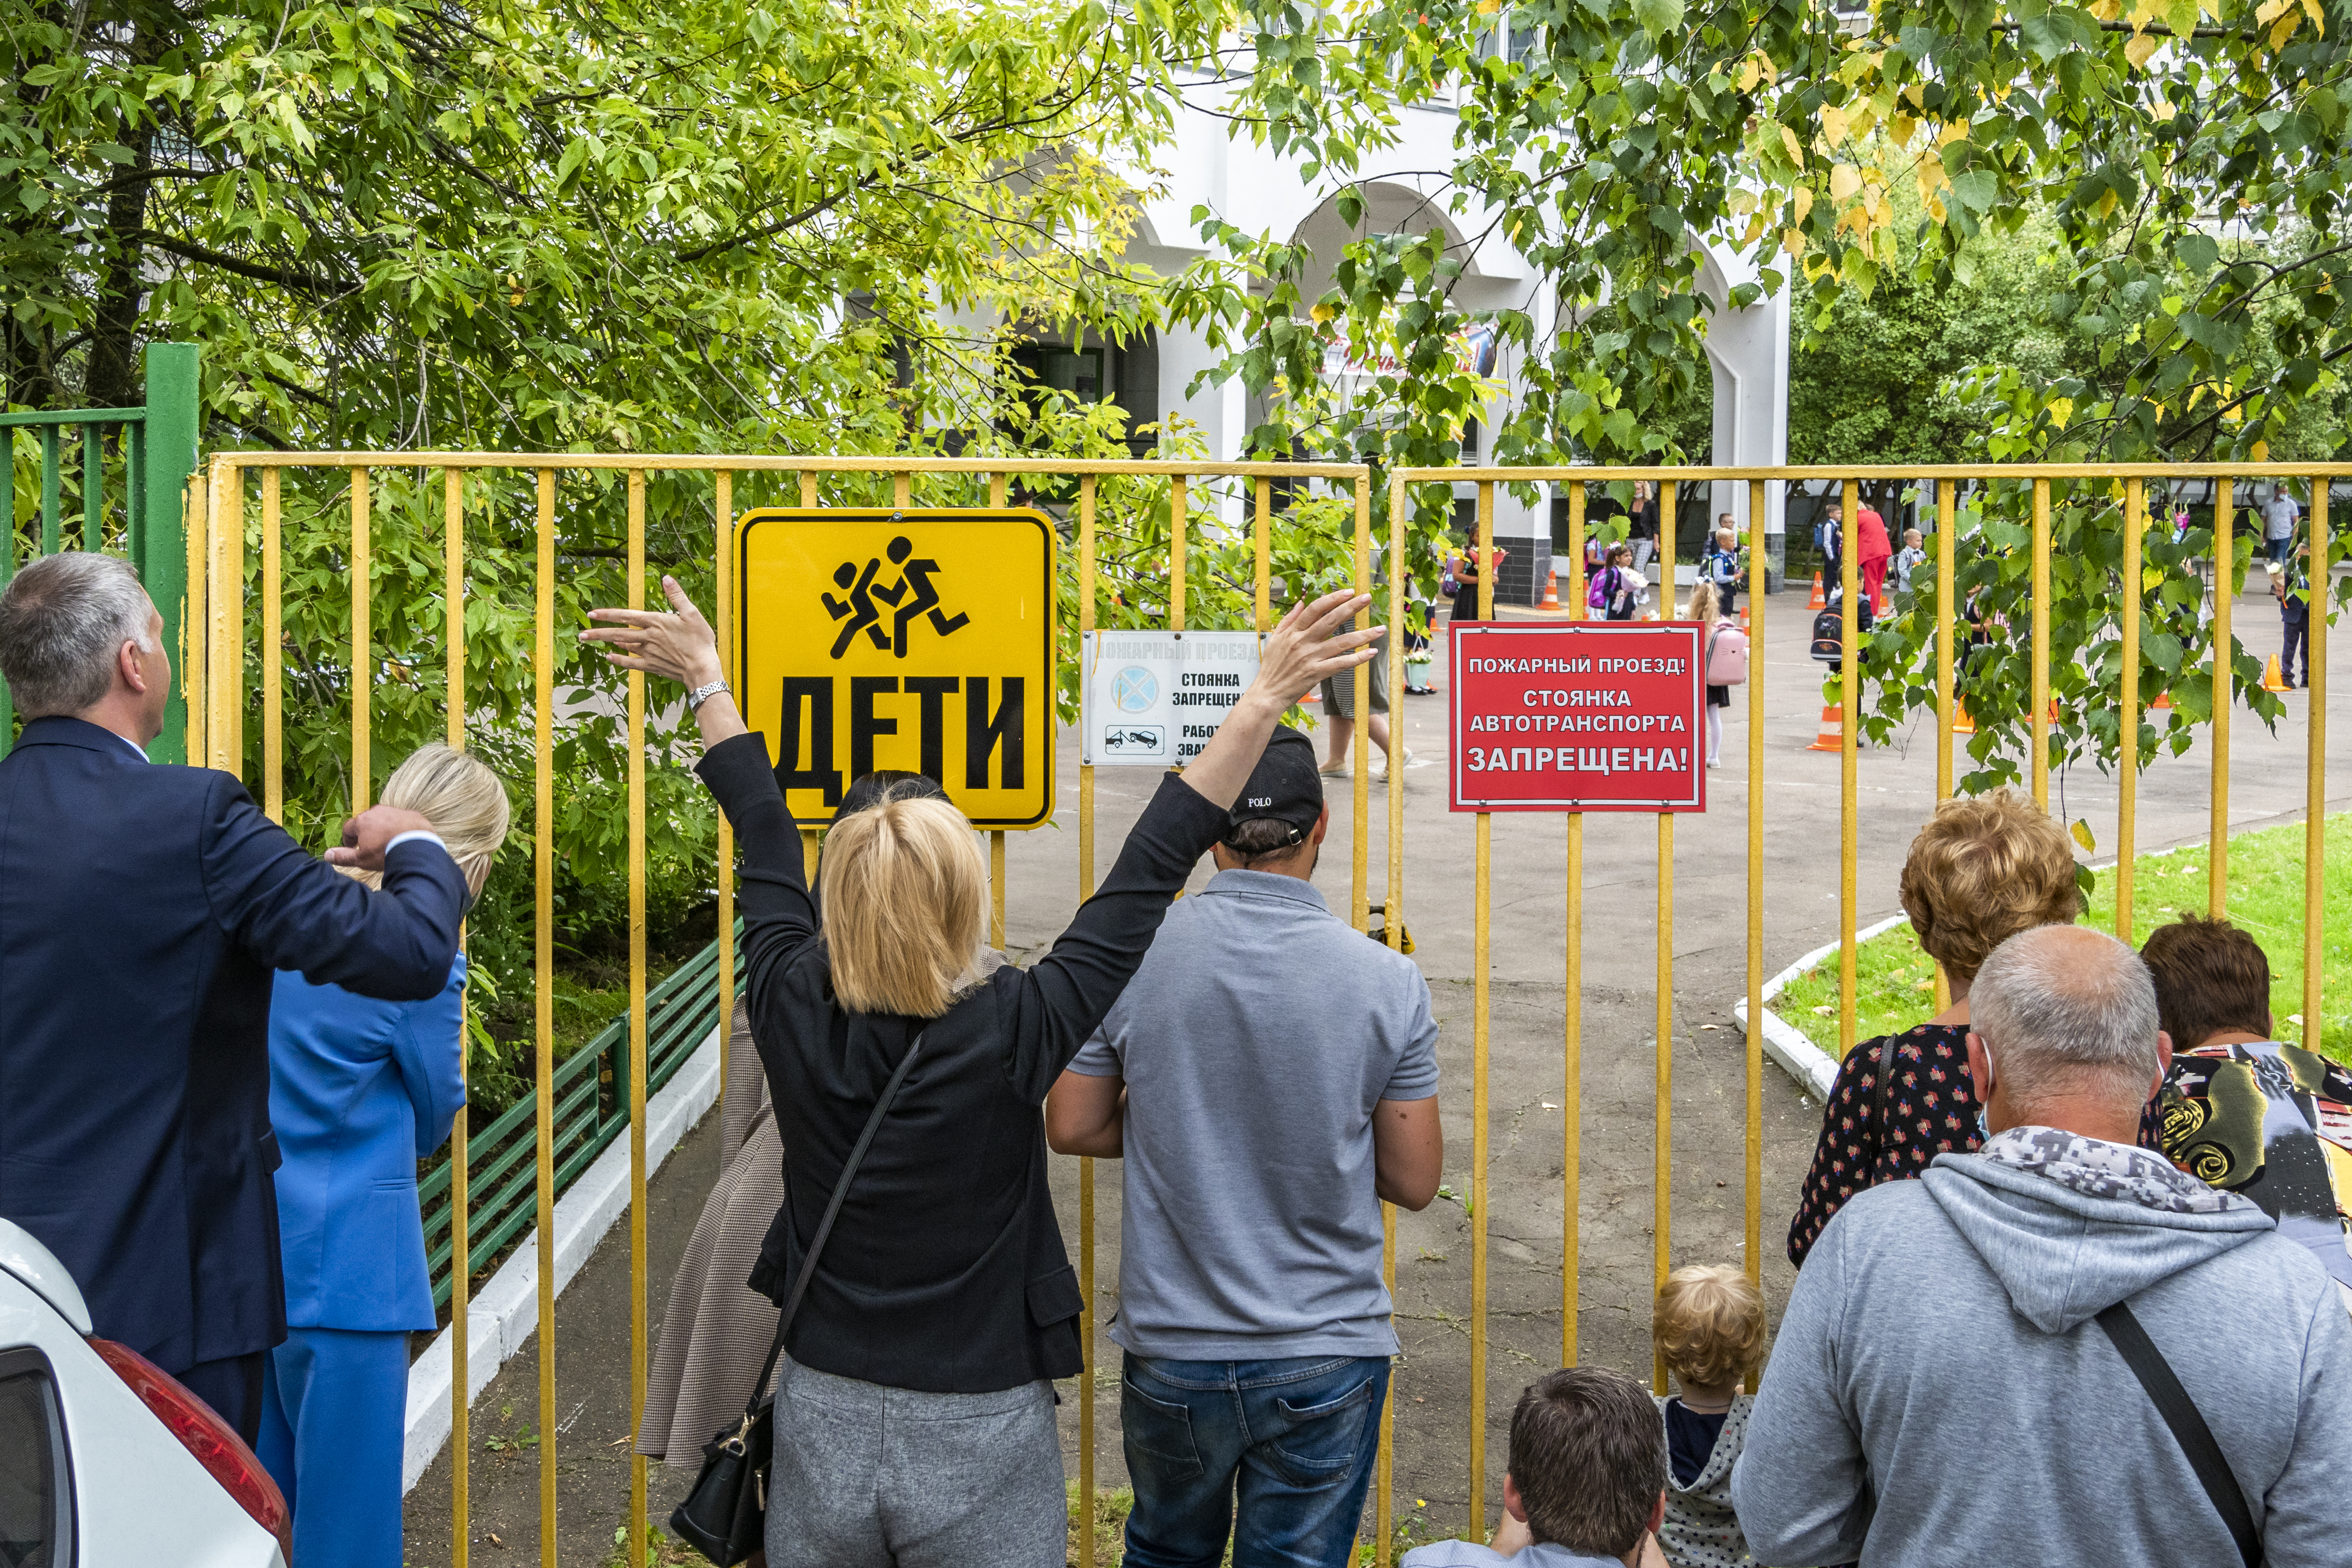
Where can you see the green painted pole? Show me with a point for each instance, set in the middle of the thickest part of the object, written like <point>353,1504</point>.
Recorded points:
<point>159,547</point>
<point>50,483</point>
<point>93,489</point>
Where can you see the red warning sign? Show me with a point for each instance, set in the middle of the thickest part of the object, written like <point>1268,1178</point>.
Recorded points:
<point>1578,716</point>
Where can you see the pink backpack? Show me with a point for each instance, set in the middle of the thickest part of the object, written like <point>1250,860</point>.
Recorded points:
<point>1726,656</point>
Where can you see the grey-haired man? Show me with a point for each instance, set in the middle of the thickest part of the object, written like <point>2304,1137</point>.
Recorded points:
<point>1950,1383</point>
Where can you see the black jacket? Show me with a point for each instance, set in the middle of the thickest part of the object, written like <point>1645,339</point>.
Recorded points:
<point>945,1271</point>
<point>142,909</point>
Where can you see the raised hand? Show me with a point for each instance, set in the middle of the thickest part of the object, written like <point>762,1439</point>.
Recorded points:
<point>679,645</point>
<point>1310,645</point>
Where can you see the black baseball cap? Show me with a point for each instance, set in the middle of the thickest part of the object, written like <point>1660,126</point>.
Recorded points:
<point>1285,786</point>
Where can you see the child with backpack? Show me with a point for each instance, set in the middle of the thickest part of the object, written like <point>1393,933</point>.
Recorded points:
<point>1723,566</point>
<point>1617,590</point>
<point>1724,661</point>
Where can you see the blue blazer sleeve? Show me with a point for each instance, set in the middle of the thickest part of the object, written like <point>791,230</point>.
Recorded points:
<point>290,911</point>
<point>428,1049</point>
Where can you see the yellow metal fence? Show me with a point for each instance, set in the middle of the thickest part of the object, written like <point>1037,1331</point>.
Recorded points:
<point>218,681</point>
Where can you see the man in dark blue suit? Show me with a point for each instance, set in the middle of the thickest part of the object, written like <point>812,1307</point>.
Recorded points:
<point>142,910</point>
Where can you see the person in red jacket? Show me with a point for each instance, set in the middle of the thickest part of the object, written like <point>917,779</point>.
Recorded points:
<point>1877,550</point>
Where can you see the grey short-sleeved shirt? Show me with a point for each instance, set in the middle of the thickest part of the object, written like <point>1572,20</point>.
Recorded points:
<point>1255,1041</point>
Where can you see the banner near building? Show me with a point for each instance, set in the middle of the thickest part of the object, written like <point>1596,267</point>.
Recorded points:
<point>1585,716</point>
<point>914,640</point>
<point>1151,700</point>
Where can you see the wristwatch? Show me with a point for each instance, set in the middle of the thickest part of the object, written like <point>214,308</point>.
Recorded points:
<point>702,694</point>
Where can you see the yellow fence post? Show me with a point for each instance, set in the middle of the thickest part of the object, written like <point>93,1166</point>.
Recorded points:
<point>362,644</point>
<point>636,849</point>
<point>1482,961</point>
<point>1754,1038</point>
<point>273,656</point>
<point>2225,595</point>
<point>1661,1199</point>
<point>543,1013</point>
<point>2320,601</point>
<point>453,638</point>
<point>1392,926</point>
<point>1572,1029</point>
<point>1849,726</point>
<point>2127,719</point>
<point>2041,595</point>
<point>1086,1162</point>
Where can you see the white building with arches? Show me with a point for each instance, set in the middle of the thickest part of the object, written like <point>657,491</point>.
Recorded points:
<point>1262,192</point>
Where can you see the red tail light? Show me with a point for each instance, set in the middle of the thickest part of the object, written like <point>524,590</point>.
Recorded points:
<point>203,1433</point>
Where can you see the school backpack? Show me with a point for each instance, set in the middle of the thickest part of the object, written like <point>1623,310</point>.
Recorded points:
<point>1829,628</point>
<point>1615,589</point>
<point>1726,656</point>
<point>1723,568</point>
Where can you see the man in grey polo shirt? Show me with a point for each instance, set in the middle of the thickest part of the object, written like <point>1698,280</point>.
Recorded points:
<point>1270,1075</point>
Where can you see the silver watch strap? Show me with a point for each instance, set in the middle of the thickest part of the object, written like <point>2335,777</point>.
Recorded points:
<point>702,694</point>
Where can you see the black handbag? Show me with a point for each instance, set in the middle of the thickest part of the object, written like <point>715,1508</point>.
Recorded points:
<point>725,1516</point>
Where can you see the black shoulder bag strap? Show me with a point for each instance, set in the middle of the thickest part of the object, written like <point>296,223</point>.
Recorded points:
<point>807,1270</point>
<point>2189,1429</point>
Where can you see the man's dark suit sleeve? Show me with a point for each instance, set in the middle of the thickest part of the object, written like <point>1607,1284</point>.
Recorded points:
<point>290,911</point>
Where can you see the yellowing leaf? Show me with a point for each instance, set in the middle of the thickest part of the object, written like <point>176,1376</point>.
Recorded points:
<point>2138,49</point>
<point>2163,110</point>
<point>2082,836</point>
<point>1751,73</point>
<point>1902,128</point>
<point>1937,210</point>
<point>2062,409</point>
<point>2310,9</point>
<point>1952,131</point>
<point>2283,28</point>
<point>1835,124</point>
<point>1803,200</point>
<point>2261,452</point>
<point>1846,180</point>
<point>1793,241</point>
<point>1796,152</point>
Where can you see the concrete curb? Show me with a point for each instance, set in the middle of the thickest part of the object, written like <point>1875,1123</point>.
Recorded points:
<point>505,1311</point>
<point>1813,1068</point>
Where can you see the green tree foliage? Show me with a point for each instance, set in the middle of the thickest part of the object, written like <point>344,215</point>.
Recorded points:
<point>2187,157</point>
<point>772,225</point>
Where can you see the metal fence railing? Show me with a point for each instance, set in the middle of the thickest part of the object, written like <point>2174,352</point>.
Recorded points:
<point>490,1195</point>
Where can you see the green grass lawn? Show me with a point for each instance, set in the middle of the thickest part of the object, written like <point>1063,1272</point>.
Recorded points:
<point>1895,982</point>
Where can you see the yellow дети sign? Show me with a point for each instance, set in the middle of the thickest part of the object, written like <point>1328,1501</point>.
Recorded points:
<point>914,640</point>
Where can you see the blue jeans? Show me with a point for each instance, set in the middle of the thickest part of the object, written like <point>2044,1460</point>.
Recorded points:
<point>1297,1436</point>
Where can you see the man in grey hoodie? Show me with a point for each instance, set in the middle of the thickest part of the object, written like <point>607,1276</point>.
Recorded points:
<point>1939,1392</point>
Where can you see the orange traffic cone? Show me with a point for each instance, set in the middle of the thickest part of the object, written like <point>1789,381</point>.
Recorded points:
<point>1833,736</point>
<point>2163,700</point>
<point>1743,618</point>
<point>1961,723</point>
<point>1820,600</point>
<point>2273,680</point>
<point>1551,592</point>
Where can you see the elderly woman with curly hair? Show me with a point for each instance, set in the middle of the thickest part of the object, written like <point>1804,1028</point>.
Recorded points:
<point>1983,869</point>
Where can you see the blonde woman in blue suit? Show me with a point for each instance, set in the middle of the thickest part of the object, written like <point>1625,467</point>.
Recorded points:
<point>358,1091</point>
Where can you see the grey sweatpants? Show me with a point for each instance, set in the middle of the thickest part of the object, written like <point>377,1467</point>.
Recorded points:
<point>868,1476</point>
